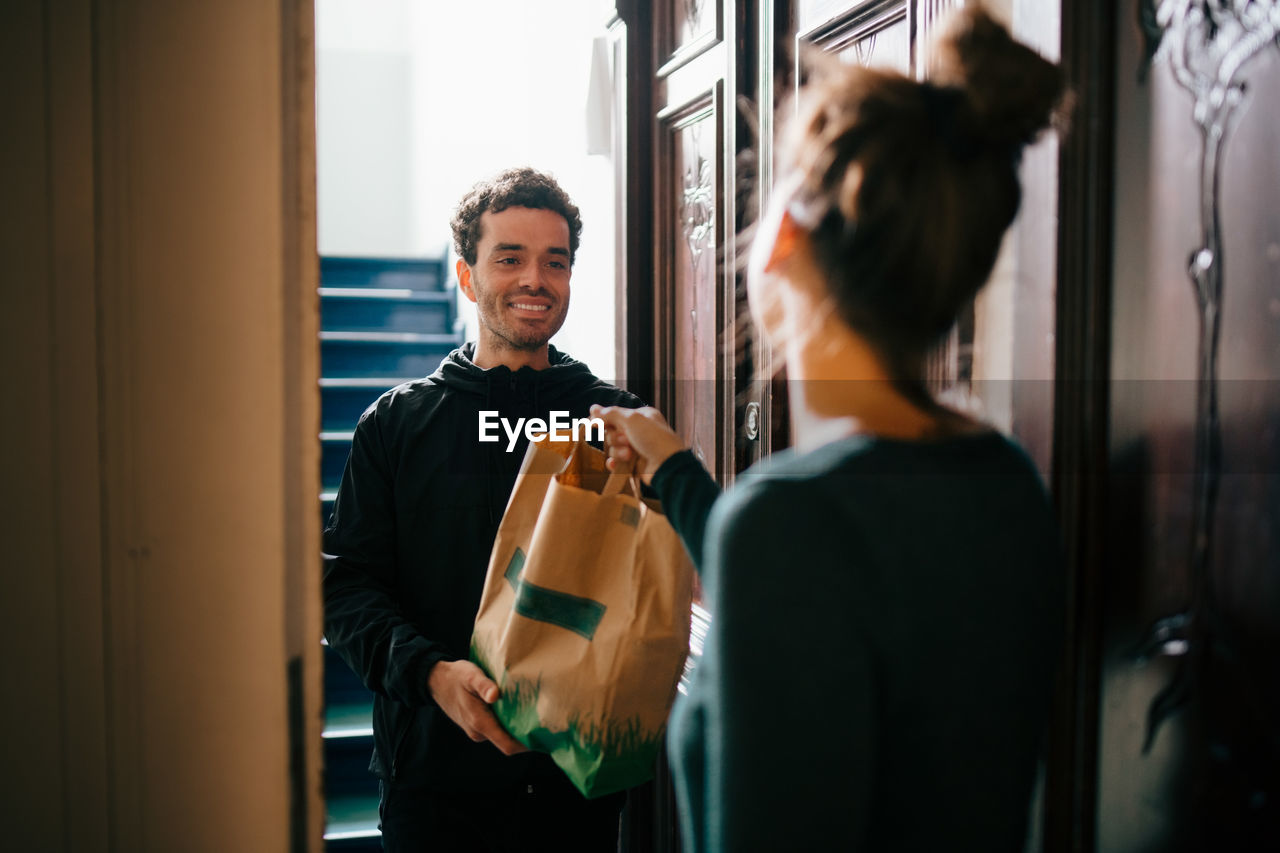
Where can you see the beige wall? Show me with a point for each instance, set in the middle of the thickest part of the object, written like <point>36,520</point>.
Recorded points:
<point>159,457</point>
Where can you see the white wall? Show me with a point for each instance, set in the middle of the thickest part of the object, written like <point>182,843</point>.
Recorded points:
<point>417,101</point>
<point>364,74</point>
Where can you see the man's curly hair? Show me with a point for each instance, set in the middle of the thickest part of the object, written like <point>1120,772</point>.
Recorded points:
<point>523,187</point>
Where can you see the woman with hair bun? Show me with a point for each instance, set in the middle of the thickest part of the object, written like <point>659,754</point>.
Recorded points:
<point>887,596</point>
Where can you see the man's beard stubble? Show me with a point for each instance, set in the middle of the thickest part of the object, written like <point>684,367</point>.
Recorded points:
<point>506,336</point>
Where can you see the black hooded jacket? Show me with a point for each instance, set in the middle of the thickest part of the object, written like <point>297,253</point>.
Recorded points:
<point>408,545</point>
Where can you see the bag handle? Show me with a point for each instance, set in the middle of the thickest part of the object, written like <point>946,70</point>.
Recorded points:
<point>621,475</point>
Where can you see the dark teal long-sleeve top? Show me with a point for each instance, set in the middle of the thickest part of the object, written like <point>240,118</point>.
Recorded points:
<point>886,622</point>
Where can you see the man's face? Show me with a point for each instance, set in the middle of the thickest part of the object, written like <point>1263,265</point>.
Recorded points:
<point>520,280</point>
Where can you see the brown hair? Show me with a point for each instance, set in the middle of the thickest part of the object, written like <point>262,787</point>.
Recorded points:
<point>907,187</point>
<point>522,187</point>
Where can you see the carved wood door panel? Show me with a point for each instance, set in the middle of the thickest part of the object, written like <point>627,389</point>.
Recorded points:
<point>682,136</point>
<point>691,271</point>
<point>698,76</point>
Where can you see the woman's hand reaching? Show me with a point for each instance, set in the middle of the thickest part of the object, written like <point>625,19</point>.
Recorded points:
<point>639,436</point>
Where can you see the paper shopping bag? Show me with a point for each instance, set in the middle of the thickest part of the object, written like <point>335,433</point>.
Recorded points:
<point>584,620</point>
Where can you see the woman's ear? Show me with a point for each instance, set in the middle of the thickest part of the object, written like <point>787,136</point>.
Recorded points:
<point>788,240</point>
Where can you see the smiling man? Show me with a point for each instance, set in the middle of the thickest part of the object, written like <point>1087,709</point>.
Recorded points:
<point>517,273</point>
<point>415,518</point>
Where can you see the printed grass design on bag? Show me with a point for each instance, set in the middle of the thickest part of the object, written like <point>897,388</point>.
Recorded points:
<point>608,756</point>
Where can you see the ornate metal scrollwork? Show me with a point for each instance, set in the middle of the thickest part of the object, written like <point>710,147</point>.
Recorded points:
<point>1207,44</point>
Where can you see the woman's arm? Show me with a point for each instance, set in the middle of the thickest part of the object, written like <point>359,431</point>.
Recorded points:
<point>687,493</point>
<point>642,436</point>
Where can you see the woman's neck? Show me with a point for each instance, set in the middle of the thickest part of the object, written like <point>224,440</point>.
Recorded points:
<point>826,410</point>
<point>839,387</point>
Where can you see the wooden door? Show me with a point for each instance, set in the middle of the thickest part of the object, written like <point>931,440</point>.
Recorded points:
<point>686,346</point>
<point>702,65</point>
<point>685,342</point>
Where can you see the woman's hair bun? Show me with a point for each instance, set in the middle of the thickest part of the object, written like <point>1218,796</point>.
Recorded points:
<point>1013,91</point>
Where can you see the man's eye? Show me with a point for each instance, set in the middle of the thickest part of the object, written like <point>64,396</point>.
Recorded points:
<point>560,265</point>
<point>508,261</point>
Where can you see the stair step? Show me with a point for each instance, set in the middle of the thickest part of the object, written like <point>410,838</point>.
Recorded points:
<point>326,507</point>
<point>333,460</point>
<point>364,382</point>
<point>348,731</point>
<point>387,294</point>
<point>335,447</point>
<point>385,321</point>
<point>355,845</point>
<point>351,818</point>
<point>350,355</point>
<point>343,400</point>
<point>348,720</point>
<point>391,338</point>
<point>384,273</point>
<point>371,844</point>
<point>346,767</point>
<point>386,309</point>
<point>342,687</point>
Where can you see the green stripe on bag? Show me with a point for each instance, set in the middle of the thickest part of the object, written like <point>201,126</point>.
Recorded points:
<point>579,615</point>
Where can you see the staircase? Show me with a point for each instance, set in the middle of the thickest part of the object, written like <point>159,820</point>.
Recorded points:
<point>383,321</point>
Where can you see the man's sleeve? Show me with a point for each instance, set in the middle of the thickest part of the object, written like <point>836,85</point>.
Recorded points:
<point>788,707</point>
<point>362,620</point>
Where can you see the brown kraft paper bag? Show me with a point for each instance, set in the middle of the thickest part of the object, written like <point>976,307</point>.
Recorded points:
<point>584,620</point>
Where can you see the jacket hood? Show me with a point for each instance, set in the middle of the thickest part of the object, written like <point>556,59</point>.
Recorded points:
<point>566,377</point>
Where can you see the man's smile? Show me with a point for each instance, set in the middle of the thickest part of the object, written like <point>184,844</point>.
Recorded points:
<point>534,307</point>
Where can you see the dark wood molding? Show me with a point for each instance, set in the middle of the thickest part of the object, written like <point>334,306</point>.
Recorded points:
<point>772,95</point>
<point>635,290</point>
<point>300,391</point>
<point>670,56</point>
<point>1081,404</point>
<point>705,108</point>
<point>648,822</point>
<point>855,24</point>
